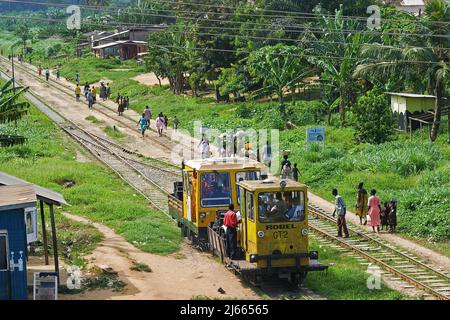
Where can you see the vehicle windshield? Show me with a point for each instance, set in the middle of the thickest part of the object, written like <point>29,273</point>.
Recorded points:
<point>281,206</point>
<point>245,175</point>
<point>215,189</point>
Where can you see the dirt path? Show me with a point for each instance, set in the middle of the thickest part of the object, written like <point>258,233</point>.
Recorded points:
<point>183,275</point>
<point>149,79</point>
<point>78,111</point>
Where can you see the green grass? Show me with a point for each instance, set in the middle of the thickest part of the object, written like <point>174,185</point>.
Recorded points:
<point>49,157</point>
<point>114,133</point>
<point>415,172</point>
<point>93,119</point>
<point>141,267</point>
<point>345,279</point>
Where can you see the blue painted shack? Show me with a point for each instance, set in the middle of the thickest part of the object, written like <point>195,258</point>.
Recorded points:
<point>15,202</point>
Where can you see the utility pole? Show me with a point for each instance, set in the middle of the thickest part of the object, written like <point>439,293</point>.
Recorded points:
<point>12,67</point>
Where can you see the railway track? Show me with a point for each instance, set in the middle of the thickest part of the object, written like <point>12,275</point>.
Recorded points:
<point>151,181</point>
<point>164,141</point>
<point>404,265</point>
<point>156,182</point>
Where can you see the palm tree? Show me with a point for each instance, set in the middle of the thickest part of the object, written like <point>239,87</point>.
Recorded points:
<point>11,110</point>
<point>434,50</point>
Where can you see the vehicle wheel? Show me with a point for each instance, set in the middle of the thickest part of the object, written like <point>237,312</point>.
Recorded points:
<point>183,230</point>
<point>297,279</point>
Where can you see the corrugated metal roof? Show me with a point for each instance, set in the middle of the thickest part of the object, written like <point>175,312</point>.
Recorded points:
<point>116,43</point>
<point>113,35</point>
<point>410,95</point>
<point>17,196</point>
<point>273,182</point>
<point>43,194</point>
<point>224,164</point>
<point>412,3</point>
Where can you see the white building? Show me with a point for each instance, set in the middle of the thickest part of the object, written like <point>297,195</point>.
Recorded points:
<point>416,7</point>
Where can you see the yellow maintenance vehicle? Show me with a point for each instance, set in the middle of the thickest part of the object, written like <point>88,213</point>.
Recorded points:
<point>209,186</point>
<point>273,217</point>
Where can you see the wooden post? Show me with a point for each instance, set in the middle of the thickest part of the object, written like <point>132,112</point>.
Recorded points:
<point>44,233</point>
<point>410,129</point>
<point>55,243</point>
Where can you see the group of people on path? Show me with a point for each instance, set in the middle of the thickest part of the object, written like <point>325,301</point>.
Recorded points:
<point>368,209</point>
<point>91,93</point>
<point>162,121</point>
<point>123,103</point>
<point>287,172</point>
<point>46,72</point>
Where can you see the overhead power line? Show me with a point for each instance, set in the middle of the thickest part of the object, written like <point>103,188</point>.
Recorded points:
<point>294,14</point>
<point>237,51</point>
<point>304,27</point>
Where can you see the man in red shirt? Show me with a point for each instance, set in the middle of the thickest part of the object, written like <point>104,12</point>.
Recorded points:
<point>230,221</point>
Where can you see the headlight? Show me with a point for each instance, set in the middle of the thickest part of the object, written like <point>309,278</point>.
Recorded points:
<point>202,215</point>
<point>305,232</point>
<point>314,255</point>
<point>253,258</point>
<point>260,234</point>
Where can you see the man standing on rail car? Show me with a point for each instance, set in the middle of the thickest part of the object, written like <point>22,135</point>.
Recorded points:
<point>230,221</point>
<point>341,209</point>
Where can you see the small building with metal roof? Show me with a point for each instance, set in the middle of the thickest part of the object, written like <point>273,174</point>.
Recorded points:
<point>17,192</point>
<point>17,221</point>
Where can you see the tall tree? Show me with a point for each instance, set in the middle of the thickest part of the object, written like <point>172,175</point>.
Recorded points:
<point>11,110</point>
<point>431,53</point>
<point>336,52</point>
<point>278,67</point>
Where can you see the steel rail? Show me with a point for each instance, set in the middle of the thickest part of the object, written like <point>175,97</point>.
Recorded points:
<point>83,142</point>
<point>367,237</point>
<point>381,263</point>
<point>314,211</point>
<point>69,91</point>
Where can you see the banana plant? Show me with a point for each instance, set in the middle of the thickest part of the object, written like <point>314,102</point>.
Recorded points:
<point>11,110</point>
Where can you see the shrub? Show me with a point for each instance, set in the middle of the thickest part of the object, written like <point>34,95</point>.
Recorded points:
<point>373,120</point>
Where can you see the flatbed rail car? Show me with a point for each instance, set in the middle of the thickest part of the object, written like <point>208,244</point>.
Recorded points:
<point>272,233</point>
<point>209,186</point>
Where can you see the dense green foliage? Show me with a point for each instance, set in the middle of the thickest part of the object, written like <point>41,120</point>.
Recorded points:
<point>12,109</point>
<point>221,48</point>
<point>374,122</point>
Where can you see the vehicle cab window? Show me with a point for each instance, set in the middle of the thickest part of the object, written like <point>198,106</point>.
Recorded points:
<point>287,206</point>
<point>215,189</point>
<point>245,175</point>
<point>249,207</point>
